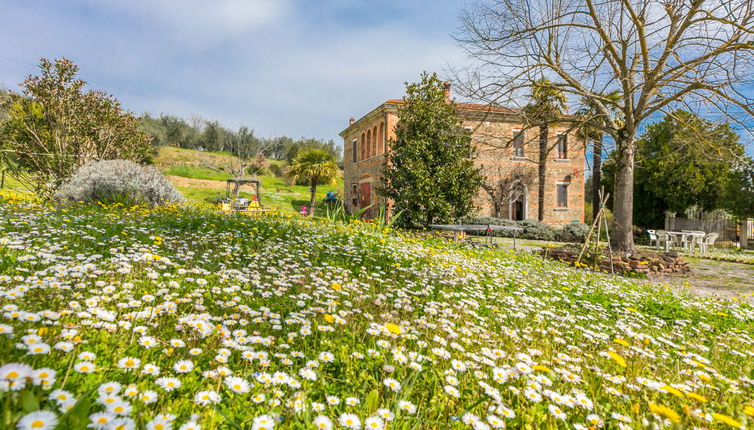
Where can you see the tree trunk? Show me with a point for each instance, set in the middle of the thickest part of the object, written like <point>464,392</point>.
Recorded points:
<point>596,175</point>
<point>622,238</point>
<point>313,198</point>
<point>543,137</point>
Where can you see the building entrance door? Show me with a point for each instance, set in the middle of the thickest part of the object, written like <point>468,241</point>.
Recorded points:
<point>518,202</point>
<point>366,195</point>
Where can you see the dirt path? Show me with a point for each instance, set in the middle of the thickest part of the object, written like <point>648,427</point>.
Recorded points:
<point>180,181</point>
<point>713,279</point>
<point>708,278</point>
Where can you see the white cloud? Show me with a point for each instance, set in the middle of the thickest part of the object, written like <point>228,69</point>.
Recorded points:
<point>200,23</point>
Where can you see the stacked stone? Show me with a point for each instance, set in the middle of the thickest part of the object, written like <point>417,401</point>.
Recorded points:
<point>647,263</point>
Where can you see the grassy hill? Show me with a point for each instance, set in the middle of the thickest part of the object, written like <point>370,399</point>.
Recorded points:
<point>188,172</point>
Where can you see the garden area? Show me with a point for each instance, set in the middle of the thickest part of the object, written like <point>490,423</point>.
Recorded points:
<point>200,176</point>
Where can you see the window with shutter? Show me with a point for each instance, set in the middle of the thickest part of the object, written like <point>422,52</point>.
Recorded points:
<point>562,191</point>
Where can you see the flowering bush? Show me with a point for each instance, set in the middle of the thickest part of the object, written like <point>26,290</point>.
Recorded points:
<point>119,181</point>
<point>177,318</point>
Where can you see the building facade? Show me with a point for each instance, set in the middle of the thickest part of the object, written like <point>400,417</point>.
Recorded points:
<point>506,153</point>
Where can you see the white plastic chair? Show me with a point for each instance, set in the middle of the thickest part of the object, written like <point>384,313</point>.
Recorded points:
<point>706,241</point>
<point>654,240</point>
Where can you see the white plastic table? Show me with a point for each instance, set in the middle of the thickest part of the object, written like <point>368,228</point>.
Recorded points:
<point>688,239</point>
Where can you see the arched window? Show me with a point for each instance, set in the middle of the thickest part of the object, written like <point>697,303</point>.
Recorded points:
<point>382,137</point>
<point>363,147</point>
<point>369,143</point>
<point>374,141</point>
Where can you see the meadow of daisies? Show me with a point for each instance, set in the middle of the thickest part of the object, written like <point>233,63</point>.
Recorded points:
<point>183,318</point>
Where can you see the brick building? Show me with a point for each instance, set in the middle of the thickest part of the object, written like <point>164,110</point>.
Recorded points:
<point>506,153</point>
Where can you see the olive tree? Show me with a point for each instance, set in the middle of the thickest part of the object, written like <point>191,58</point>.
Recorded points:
<point>659,55</point>
<point>55,126</point>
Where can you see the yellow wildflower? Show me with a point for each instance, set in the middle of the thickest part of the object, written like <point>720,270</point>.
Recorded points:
<point>617,358</point>
<point>393,328</point>
<point>725,419</point>
<point>620,341</point>
<point>329,318</point>
<point>671,390</point>
<point>696,397</point>
<point>665,412</point>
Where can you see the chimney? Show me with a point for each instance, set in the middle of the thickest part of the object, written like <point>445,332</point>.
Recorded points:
<point>351,121</point>
<point>446,88</point>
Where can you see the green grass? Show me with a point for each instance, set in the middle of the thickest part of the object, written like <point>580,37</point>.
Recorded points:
<point>360,306</point>
<point>197,173</point>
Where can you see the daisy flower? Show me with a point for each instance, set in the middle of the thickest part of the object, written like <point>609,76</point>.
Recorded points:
<point>86,356</point>
<point>496,421</point>
<point>205,398</point>
<point>385,414</point>
<point>190,425</point>
<point>129,363</point>
<point>61,396</point>
<point>84,367</point>
<point>237,385</point>
<point>148,397</point>
<point>557,412</point>
<point>452,391</point>
<point>168,384</point>
<point>392,384</point>
<point>375,423</point>
<point>150,369</point>
<point>38,420</point>
<point>407,406</point>
<point>350,421</point>
<point>321,422</point>
<point>100,420</point>
<point>263,422</point>
<point>183,366</point>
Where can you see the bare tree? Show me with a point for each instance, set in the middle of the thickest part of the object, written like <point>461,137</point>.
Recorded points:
<point>499,185</point>
<point>659,55</point>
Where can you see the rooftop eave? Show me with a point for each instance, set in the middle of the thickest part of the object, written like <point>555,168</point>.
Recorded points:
<point>388,105</point>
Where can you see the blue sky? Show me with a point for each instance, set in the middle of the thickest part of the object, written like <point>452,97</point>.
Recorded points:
<point>282,67</point>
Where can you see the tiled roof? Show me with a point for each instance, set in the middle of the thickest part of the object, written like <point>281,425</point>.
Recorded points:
<point>469,106</point>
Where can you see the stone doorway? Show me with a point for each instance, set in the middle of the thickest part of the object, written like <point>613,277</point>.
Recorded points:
<point>517,206</point>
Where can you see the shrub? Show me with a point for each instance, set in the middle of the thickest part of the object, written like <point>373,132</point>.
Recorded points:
<point>121,181</point>
<point>490,220</point>
<point>276,170</point>
<point>537,230</point>
<point>572,232</point>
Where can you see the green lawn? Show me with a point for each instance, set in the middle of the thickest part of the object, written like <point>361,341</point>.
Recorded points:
<point>197,173</point>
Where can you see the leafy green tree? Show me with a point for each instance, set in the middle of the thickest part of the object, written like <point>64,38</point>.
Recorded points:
<point>56,126</point>
<point>178,133</point>
<point>429,173</point>
<point>739,191</point>
<point>547,105</point>
<point>212,137</point>
<point>317,167</point>
<point>681,161</point>
<point>152,127</point>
